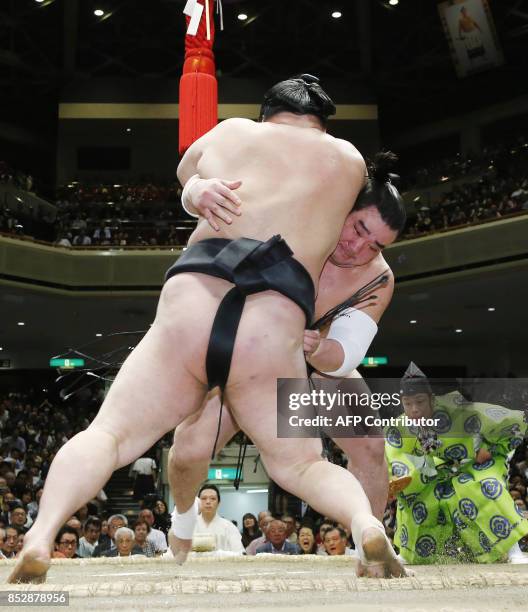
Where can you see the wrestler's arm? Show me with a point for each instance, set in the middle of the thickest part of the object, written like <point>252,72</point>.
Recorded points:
<point>188,165</point>
<point>207,197</point>
<point>327,354</point>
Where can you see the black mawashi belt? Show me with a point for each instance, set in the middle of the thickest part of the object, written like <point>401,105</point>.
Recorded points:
<point>252,266</point>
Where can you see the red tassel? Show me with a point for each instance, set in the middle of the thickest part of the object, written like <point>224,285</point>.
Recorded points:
<point>198,87</point>
<point>198,100</point>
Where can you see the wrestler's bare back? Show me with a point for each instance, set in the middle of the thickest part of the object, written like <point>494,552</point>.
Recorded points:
<point>297,181</point>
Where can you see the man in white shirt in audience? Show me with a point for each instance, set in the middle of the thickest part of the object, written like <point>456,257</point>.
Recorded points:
<point>227,536</point>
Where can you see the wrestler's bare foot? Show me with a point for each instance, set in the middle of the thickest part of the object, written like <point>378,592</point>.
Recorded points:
<point>179,548</point>
<point>380,559</point>
<point>32,565</point>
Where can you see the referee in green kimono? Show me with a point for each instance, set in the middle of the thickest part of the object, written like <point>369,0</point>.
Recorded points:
<point>457,506</point>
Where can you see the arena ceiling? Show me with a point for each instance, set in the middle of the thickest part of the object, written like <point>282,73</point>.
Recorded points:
<point>400,51</point>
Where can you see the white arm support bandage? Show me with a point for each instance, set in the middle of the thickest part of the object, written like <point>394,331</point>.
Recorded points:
<point>185,196</point>
<point>354,330</point>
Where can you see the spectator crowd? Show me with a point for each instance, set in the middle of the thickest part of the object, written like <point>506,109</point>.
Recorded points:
<point>499,190</point>
<point>494,184</point>
<point>33,427</point>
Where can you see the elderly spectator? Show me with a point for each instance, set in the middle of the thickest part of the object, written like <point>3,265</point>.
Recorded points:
<point>306,542</point>
<point>277,541</point>
<point>18,518</point>
<point>10,542</point>
<point>227,536</point>
<point>90,539</point>
<point>323,528</point>
<point>264,521</point>
<point>125,545</point>
<point>155,536</point>
<point>250,530</point>
<point>66,542</point>
<point>291,534</point>
<point>115,522</point>
<point>141,531</point>
<point>336,542</point>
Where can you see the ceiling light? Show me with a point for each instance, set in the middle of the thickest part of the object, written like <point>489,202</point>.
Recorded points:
<point>394,2</point>
<point>129,130</point>
<point>21,323</point>
<point>257,491</point>
<point>458,331</point>
<point>337,15</point>
<point>98,335</point>
<point>413,321</point>
<point>1,348</point>
<point>242,17</point>
<point>39,1</point>
<point>98,12</point>
<point>491,309</point>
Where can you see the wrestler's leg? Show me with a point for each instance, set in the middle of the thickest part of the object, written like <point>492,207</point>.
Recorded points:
<point>366,460</point>
<point>269,346</point>
<point>189,459</point>
<point>138,410</point>
<point>366,456</point>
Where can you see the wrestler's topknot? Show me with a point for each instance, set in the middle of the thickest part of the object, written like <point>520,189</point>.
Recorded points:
<point>381,191</point>
<point>302,95</point>
<point>380,167</point>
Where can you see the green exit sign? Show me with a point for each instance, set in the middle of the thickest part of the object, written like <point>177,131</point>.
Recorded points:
<point>372,362</point>
<point>221,474</point>
<point>67,364</point>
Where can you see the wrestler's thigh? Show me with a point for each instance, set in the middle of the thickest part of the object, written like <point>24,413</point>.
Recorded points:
<point>186,310</point>
<point>255,409</point>
<point>194,437</point>
<point>270,343</point>
<point>159,384</point>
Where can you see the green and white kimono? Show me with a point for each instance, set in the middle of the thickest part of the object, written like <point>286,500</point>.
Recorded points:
<point>456,509</point>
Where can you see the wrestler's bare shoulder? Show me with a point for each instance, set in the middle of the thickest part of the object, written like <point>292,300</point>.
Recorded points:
<point>374,269</point>
<point>235,124</point>
<point>238,122</point>
<point>379,265</point>
<point>348,149</point>
<point>377,307</point>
